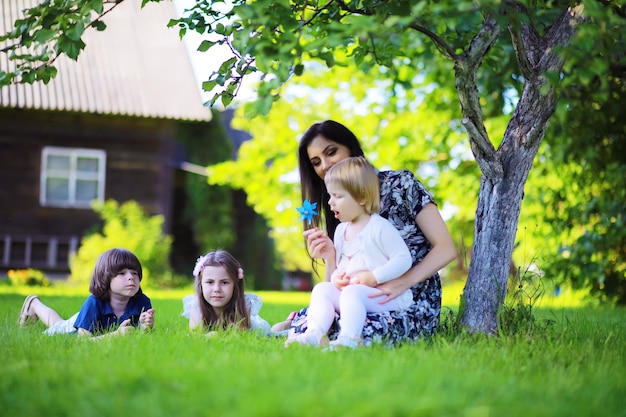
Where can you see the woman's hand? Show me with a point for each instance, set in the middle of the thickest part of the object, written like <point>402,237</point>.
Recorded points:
<point>320,245</point>
<point>146,319</point>
<point>442,252</point>
<point>389,290</point>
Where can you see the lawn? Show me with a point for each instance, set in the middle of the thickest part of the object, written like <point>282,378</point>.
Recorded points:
<point>575,366</point>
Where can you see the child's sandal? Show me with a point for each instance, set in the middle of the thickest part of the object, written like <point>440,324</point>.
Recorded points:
<point>24,318</point>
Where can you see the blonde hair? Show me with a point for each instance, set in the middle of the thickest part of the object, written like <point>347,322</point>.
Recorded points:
<point>359,178</point>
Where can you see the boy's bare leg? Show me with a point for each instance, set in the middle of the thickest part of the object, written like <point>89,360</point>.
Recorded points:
<point>34,309</point>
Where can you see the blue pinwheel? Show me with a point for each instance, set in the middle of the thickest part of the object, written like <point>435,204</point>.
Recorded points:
<point>307,211</point>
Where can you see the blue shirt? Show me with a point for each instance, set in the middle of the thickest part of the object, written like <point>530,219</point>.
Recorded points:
<point>97,315</point>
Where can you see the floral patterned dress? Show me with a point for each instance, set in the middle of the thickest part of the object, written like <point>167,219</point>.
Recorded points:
<point>402,197</point>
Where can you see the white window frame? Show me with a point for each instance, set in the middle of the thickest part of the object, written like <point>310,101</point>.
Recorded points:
<point>72,175</point>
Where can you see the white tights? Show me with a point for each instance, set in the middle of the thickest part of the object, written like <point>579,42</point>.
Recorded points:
<point>352,303</point>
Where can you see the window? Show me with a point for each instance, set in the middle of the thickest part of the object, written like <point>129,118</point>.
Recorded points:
<point>72,177</point>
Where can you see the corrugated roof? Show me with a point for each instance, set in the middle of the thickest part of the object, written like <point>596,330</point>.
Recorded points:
<point>136,67</point>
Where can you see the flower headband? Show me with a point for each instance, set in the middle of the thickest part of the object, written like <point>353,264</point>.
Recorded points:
<point>197,270</point>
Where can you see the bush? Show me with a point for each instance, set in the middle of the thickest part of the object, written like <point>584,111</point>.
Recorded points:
<point>30,277</point>
<point>126,226</point>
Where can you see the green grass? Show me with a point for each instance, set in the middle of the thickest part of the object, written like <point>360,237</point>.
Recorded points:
<point>574,367</point>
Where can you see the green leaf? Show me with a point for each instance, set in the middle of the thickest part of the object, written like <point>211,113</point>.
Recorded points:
<point>244,11</point>
<point>97,6</point>
<point>221,79</point>
<point>46,73</point>
<point>99,25</point>
<point>70,47</point>
<point>76,31</point>
<point>227,65</point>
<point>49,19</point>
<point>44,35</point>
<point>205,45</point>
<point>264,104</point>
<point>6,78</point>
<point>28,77</point>
<point>208,85</point>
<point>328,57</point>
<point>226,99</point>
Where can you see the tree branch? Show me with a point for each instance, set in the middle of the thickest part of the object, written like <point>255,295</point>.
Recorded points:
<point>559,34</point>
<point>548,59</point>
<point>515,29</point>
<point>316,13</point>
<point>482,43</point>
<point>483,150</point>
<point>466,66</point>
<point>439,43</point>
<point>98,18</point>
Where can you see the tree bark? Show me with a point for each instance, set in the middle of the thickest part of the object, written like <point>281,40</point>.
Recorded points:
<point>497,216</point>
<point>504,172</point>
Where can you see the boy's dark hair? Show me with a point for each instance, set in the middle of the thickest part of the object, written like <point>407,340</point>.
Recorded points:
<point>107,266</point>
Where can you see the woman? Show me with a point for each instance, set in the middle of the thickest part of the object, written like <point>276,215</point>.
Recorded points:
<point>406,203</point>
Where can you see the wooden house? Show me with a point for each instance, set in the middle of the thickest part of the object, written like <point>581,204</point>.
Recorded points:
<point>104,128</point>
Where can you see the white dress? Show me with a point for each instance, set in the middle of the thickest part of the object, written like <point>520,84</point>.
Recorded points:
<point>355,256</point>
<point>253,304</point>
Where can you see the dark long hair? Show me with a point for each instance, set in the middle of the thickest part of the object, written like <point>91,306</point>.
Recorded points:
<point>312,186</point>
<point>107,266</point>
<point>235,313</point>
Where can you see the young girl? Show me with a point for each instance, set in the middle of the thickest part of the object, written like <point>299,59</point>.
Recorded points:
<point>220,302</point>
<point>116,305</point>
<point>368,251</point>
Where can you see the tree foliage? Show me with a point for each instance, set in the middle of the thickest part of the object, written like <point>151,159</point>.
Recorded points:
<point>46,31</point>
<point>396,132</point>
<point>582,188</point>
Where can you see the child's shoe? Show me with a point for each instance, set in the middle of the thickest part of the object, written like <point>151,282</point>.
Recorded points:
<point>344,341</point>
<point>24,318</point>
<point>308,338</point>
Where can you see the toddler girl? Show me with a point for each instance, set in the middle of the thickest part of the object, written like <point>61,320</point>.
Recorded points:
<point>368,250</point>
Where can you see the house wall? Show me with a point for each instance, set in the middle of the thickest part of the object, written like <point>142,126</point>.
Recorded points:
<point>139,166</point>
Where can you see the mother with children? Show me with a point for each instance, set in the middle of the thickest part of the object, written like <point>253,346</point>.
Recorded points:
<point>379,234</point>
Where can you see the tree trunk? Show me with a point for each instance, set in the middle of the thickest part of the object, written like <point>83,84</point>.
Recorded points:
<point>501,192</point>
<point>497,216</point>
<point>505,171</point>
<point>497,213</point>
